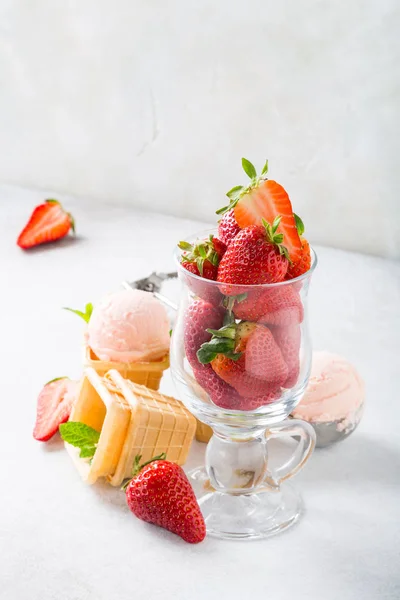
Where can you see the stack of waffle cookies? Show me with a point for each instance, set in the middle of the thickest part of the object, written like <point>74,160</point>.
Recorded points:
<point>132,420</point>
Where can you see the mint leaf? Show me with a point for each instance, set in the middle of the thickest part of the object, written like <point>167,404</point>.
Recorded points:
<point>87,451</point>
<point>56,379</point>
<point>249,168</point>
<point>265,168</point>
<point>89,310</point>
<point>299,224</point>
<point>78,434</point>
<point>83,315</point>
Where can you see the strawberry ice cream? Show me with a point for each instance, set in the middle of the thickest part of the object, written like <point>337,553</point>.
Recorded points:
<point>334,397</point>
<point>129,326</point>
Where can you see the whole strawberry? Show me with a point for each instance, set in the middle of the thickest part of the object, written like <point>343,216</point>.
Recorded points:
<point>279,305</point>
<point>202,259</point>
<point>48,222</point>
<point>246,357</point>
<point>255,256</point>
<point>288,339</point>
<point>220,392</point>
<point>228,228</point>
<point>160,493</point>
<point>200,316</point>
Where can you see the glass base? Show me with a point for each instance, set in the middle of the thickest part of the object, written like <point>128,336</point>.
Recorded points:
<point>245,516</point>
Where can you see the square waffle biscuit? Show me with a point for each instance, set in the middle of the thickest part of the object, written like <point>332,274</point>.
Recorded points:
<point>131,420</point>
<point>158,424</point>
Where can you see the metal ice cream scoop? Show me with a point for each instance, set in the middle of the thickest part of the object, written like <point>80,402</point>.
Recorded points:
<point>153,284</point>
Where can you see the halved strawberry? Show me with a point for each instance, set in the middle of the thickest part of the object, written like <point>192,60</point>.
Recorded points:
<point>53,407</point>
<point>49,222</point>
<point>264,199</point>
<point>303,263</point>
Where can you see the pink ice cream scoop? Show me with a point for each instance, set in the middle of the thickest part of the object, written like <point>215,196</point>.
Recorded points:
<point>129,326</point>
<point>334,398</point>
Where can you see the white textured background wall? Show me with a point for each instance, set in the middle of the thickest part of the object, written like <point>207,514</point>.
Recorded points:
<point>153,103</point>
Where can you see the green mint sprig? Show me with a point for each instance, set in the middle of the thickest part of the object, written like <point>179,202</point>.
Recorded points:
<point>84,315</point>
<point>80,436</point>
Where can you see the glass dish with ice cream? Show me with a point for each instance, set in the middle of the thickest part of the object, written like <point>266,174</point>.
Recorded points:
<point>334,399</point>
<point>129,331</point>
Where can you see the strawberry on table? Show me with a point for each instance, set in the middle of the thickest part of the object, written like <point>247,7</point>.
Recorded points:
<point>255,256</point>
<point>49,222</point>
<point>265,199</point>
<point>53,407</point>
<point>160,493</point>
<point>227,227</point>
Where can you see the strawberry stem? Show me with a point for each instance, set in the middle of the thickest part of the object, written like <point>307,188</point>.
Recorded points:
<point>137,467</point>
<point>275,238</point>
<point>238,191</point>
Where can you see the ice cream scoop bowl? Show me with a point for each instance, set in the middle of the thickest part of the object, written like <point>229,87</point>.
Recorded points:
<point>246,401</point>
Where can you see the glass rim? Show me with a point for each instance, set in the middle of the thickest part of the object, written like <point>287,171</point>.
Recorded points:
<point>206,233</point>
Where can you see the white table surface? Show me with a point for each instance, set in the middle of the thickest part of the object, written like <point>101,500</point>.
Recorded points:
<point>62,540</point>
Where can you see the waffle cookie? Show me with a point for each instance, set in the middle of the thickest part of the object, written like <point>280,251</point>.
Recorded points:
<point>132,420</point>
<point>143,373</point>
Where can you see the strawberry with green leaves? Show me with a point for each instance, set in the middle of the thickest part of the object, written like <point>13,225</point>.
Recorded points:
<point>48,222</point>
<point>264,198</point>
<point>257,255</point>
<point>202,259</point>
<point>160,493</point>
<point>54,405</point>
<point>246,357</point>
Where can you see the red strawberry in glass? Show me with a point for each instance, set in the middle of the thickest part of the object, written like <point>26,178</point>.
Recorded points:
<point>228,227</point>
<point>202,259</point>
<point>251,369</point>
<point>256,255</point>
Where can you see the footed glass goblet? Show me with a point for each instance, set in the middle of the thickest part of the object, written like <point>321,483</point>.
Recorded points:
<point>241,359</point>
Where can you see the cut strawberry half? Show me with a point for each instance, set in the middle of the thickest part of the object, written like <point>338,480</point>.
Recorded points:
<point>265,199</point>
<point>53,407</point>
<point>48,222</point>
